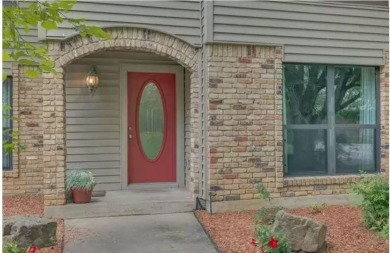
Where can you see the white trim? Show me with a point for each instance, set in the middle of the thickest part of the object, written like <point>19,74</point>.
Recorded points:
<point>152,68</point>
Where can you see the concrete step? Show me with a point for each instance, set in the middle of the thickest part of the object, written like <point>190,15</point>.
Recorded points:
<point>126,203</point>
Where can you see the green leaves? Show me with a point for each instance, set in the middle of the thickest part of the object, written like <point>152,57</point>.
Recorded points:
<point>5,56</point>
<point>12,247</point>
<point>13,142</point>
<point>49,25</point>
<point>33,73</point>
<point>266,215</point>
<point>265,235</point>
<point>26,16</point>
<point>79,179</point>
<point>375,205</point>
<point>263,192</point>
<point>95,31</point>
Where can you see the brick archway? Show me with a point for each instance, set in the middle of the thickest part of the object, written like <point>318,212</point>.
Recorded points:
<point>65,52</point>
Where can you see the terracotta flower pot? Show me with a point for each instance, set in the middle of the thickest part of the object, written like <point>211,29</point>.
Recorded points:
<point>80,196</point>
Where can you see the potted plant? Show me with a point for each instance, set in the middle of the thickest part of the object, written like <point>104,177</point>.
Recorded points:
<point>80,183</point>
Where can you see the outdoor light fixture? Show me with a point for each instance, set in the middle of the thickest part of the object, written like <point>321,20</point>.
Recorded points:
<point>92,79</point>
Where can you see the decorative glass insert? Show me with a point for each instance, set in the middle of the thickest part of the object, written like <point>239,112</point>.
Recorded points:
<point>151,120</point>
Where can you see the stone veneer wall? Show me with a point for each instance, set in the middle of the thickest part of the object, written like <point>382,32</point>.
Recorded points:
<point>245,127</point>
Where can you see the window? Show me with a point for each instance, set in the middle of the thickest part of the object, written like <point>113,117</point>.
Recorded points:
<point>330,119</point>
<point>7,123</point>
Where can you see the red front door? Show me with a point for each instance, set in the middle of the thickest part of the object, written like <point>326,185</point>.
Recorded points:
<point>151,127</point>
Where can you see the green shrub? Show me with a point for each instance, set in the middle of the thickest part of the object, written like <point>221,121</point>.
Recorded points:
<point>267,241</point>
<point>266,215</point>
<point>12,247</point>
<point>79,179</point>
<point>317,208</point>
<point>263,192</point>
<point>375,205</point>
<point>271,242</point>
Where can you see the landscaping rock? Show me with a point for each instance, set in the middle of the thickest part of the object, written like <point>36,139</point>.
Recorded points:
<point>304,234</point>
<point>27,230</point>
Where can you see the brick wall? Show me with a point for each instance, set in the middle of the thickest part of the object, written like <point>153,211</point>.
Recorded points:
<point>27,174</point>
<point>245,145</point>
<point>40,102</point>
<point>191,161</point>
<point>245,127</point>
<point>244,120</point>
<point>384,107</point>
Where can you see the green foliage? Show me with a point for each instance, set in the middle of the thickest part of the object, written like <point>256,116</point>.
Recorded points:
<point>22,16</point>
<point>266,215</point>
<point>80,180</point>
<point>12,143</point>
<point>12,247</point>
<point>264,193</point>
<point>264,235</point>
<point>375,205</point>
<point>264,218</point>
<point>316,208</point>
<point>385,230</point>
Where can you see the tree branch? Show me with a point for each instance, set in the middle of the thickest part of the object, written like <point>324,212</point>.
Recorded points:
<point>348,102</point>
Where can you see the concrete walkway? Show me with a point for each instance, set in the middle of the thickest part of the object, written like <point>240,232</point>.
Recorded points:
<point>138,200</point>
<point>163,233</point>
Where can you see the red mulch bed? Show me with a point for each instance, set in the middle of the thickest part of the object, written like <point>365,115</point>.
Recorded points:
<point>233,231</point>
<point>32,205</point>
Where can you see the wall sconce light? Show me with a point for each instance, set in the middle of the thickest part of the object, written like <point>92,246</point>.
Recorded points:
<point>92,80</point>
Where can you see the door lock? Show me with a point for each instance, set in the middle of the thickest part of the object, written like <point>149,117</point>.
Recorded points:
<point>130,136</point>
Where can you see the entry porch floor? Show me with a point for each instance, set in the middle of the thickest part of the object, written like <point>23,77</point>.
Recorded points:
<point>136,200</point>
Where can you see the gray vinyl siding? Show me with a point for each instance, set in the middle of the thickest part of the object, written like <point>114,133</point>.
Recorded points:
<point>93,121</point>
<point>31,37</point>
<point>180,18</point>
<point>317,33</point>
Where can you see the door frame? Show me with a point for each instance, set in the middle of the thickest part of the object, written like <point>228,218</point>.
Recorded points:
<point>152,68</point>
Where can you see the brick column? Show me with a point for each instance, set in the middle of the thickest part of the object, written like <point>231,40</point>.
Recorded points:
<point>245,120</point>
<point>384,102</point>
<point>53,138</point>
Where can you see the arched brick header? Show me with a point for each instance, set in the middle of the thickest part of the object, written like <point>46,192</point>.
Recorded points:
<point>131,39</point>
<point>65,52</point>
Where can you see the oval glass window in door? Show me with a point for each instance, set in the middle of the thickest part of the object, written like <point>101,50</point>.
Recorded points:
<point>151,120</point>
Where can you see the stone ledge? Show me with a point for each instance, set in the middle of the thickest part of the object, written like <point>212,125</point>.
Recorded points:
<point>320,180</point>
<point>286,202</point>
<point>10,174</point>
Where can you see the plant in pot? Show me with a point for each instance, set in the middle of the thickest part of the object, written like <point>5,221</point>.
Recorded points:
<point>80,183</point>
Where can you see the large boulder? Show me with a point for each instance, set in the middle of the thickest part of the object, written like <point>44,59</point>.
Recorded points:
<point>27,230</point>
<point>303,234</point>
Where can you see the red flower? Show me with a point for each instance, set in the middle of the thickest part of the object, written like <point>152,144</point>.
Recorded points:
<point>253,242</point>
<point>273,243</point>
<point>32,249</point>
